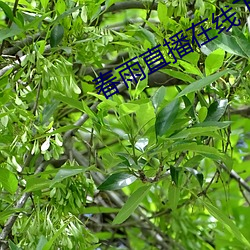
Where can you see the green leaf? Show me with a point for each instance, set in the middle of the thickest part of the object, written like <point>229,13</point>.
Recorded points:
<point>179,75</point>
<point>227,223</point>
<point>228,43</point>
<point>158,97</point>
<point>173,196</point>
<point>162,12</point>
<point>174,172</point>
<point>70,101</point>
<point>214,61</point>
<point>35,184</point>
<point>198,175</point>
<point>98,210</point>
<point>49,110</point>
<point>9,211</point>
<point>202,114</point>
<point>13,246</point>
<point>219,125</point>
<point>190,68</point>
<point>7,10</point>
<point>6,33</point>
<point>197,85</point>
<point>166,117</point>
<point>193,132</point>
<point>41,243</point>
<point>128,108</point>
<point>44,3</point>
<point>132,203</point>
<point>56,35</point>
<point>117,181</point>
<point>66,172</point>
<point>8,180</point>
<point>216,110</point>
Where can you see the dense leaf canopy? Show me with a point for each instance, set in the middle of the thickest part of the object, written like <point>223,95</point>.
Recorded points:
<point>157,160</point>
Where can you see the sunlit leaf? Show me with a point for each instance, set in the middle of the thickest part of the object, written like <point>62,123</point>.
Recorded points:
<point>158,97</point>
<point>117,181</point>
<point>173,196</point>
<point>8,180</point>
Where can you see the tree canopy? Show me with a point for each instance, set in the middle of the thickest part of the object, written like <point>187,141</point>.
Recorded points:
<point>124,124</point>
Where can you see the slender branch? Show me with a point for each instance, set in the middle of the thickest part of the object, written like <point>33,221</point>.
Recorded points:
<point>236,177</point>
<point>148,13</point>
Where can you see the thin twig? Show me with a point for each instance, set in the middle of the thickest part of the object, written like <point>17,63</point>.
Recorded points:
<point>148,14</point>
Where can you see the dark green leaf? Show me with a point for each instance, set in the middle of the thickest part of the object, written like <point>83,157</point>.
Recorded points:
<point>166,117</point>
<point>216,110</point>
<point>56,35</point>
<point>117,181</point>
<point>7,10</point>
<point>174,172</point>
<point>198,175</point>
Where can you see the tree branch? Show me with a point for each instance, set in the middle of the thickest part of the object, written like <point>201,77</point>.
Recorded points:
<point>236,177</point>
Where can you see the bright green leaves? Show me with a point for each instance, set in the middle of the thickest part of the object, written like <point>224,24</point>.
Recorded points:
<point>132,203</point>
<point>214,61</point>
<point>56,35</point>
<point>117,181</point>
<point>198,85</point>
<point>8,180</point>
<point>166,117</point>
<point>162,13</point>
